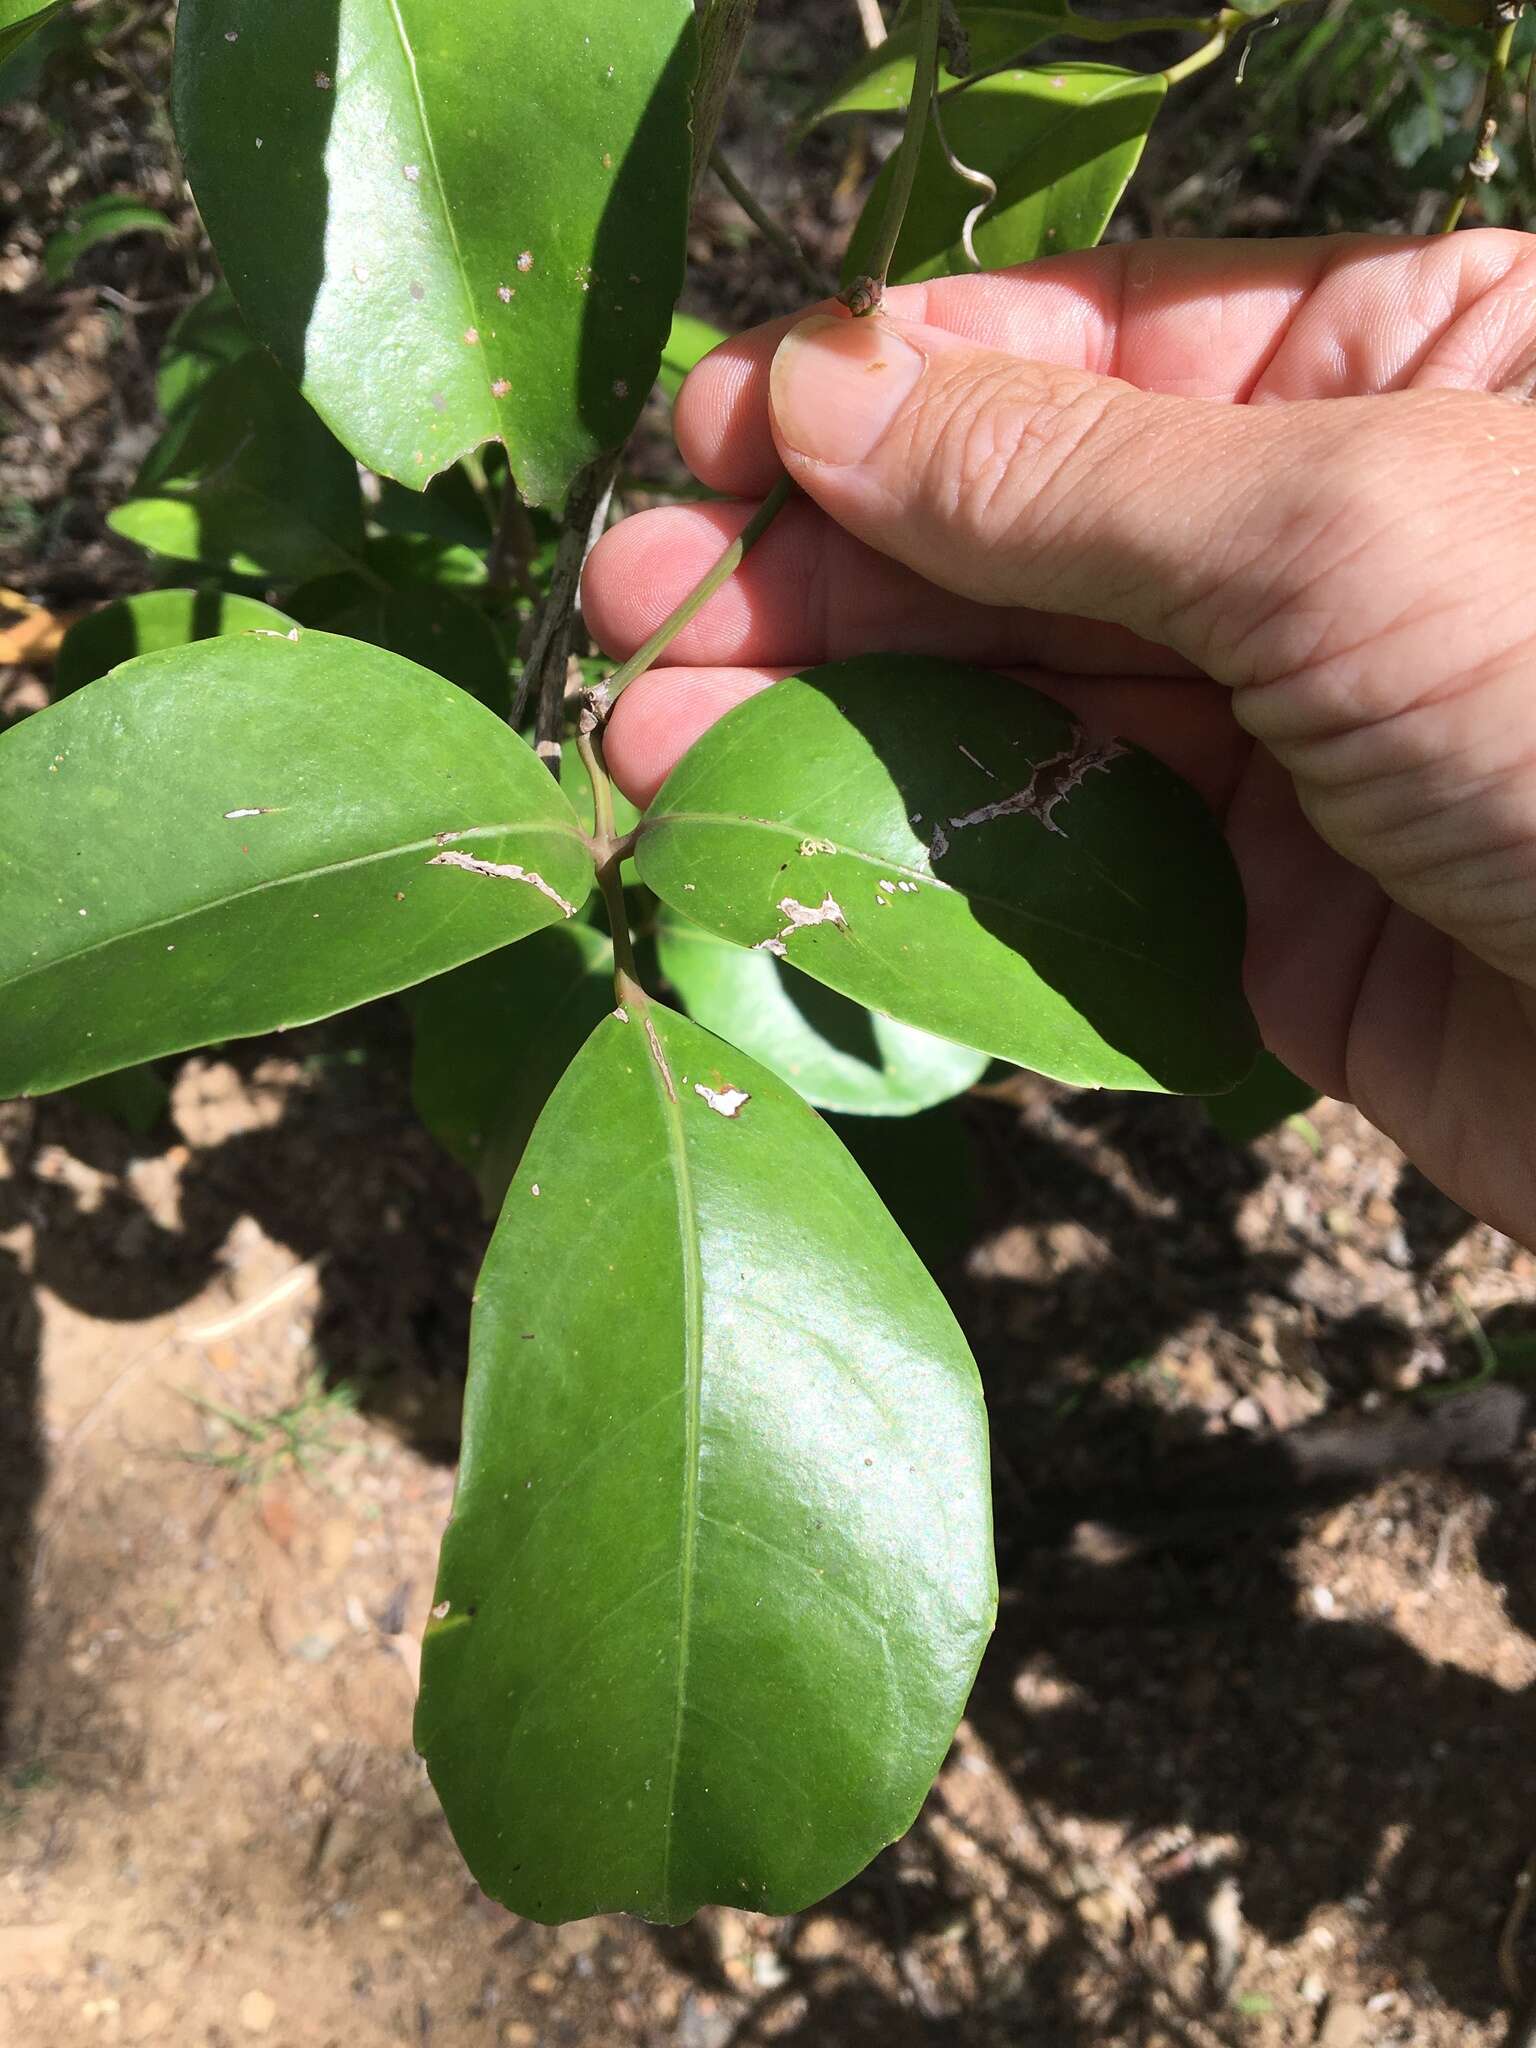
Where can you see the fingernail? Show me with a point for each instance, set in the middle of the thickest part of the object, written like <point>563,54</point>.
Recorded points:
<point>838,384</point>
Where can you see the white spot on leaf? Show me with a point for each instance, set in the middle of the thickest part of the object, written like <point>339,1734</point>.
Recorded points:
<point>504,871</point>
<point>724,1101</point>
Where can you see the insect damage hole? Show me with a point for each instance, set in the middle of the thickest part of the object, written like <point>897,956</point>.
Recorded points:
<point>503,871</point>
<point>727,1102</point>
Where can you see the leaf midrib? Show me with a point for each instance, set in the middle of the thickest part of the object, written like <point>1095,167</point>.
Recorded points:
<point>429,144</point>
<point>215,903</point>
<point>923,875</point>
<point>665,1083</point>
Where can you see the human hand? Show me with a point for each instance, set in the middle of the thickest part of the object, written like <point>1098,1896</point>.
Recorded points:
<point>1266,509</point>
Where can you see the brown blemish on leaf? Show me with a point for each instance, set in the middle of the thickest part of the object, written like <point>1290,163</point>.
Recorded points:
<point>500,388</point>
<point>471,337</point>
<point>659,1055</point>
<point>525,261</point>
<point>1050,782</point>
<point>502,871</point>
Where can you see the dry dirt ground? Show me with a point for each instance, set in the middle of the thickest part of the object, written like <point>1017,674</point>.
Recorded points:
<point>1249,1762</point>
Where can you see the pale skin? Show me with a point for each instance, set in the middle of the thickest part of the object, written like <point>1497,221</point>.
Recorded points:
<point>1268,510</point>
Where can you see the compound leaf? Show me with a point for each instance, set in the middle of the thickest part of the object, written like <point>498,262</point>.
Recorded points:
<point>1060,145</point>
<point>947,847</point>
<point>719,1571</point>
<point>454,224</point>
<point>129,626</point>
<point>835,1053</point>
<point>251,833</point>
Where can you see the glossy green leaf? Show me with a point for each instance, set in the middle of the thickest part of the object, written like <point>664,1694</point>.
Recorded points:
<point>946,846</point>
<point>130,626</point>
<point>493,1037</point>
<point>455,224</point>
<point>719,1570</point>
<point>209,334</point>
<point>20,19</point>
<point>880,81</point>
<point>252,833</point>
<point>1264,1098</point>
<point>248,480</point>
<point>103,220</point>
<point>689,342</point>
<point>1060,144</point>
<point>835,1053</point>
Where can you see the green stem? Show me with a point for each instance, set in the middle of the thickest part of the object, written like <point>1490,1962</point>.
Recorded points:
<point>770,229</point>
<point>1197,60</point>
<point>609,849</point>
<point>865,294</point>
<point>1484,160</point>
<point>704,589</point>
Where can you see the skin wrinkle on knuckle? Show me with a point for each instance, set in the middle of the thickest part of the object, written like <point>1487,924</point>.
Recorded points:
<point>1010,462</point>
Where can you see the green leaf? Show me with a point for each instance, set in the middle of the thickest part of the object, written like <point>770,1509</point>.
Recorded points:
<point>248,480</point>
<point>689,342</point>
<point>924,1170</point>
<point>130,626</point>
<point>1264,1098</point>
<point>719,1570</point>
<point>103,220</point>
<point>433,627</point>
<point>454,224</point>
<point>492,1039</point>
<point>946,846</point>
<point>252,833</point>
<point>835,1053</point>
<point>20,19</point>
<point>1060,145</point>
<point>136,1097</point>
<point>447,510</point>
<point>209,334</point>
<point>880,81</point>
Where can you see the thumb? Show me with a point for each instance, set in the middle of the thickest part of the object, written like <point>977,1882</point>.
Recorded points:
<point>1247,537</point>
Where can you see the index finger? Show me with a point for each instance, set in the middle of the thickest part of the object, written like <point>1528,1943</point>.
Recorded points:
<point>1247,322</point>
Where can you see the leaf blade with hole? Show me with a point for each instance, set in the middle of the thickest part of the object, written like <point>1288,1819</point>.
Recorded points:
<point>688,1654</point>
<point>485,206</point>
<point>836,1054</point>
<point>251,833</point>
<point>944,845</point>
